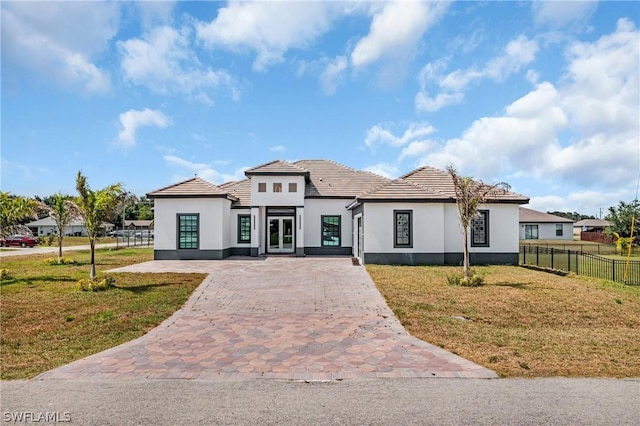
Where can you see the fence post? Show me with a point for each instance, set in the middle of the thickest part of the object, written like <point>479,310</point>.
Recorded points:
<point>613,270</point>
<point>537,255</point>
<point>569,260</point>
<point>577,263</point>
<point>551,257</point>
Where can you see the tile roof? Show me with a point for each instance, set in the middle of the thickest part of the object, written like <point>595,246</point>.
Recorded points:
<point>277,167</point>
<point>331,179</point>
<point>194,187</point>
<point>529,216</point>
<point>597,223</point>
<point>439,180</point>
<point>400,189</point>
<point>241,190</point>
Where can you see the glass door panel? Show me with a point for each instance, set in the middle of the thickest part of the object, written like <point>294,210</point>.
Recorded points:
<point>274,234</point>
<point>281,238</point>
<point>287,234</point>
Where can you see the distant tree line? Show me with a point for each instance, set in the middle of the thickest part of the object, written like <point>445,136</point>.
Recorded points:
<point>575,216</point>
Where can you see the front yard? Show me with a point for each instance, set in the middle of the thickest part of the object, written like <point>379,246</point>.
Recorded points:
<point>46,322</point>
<point>522,323</point>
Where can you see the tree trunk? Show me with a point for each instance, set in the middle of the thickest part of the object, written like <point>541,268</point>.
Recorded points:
<point>465,262</point>
<point>59,248</point>
<point>92,244</point>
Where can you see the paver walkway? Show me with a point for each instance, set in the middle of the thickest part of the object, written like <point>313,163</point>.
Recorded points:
<point>281,318</point>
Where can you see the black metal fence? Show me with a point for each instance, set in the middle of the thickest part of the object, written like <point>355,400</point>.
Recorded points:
<point>581,263</point>
<point>129,237</point>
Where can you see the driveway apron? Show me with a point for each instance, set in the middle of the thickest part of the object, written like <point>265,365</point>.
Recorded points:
<point>278,317</point>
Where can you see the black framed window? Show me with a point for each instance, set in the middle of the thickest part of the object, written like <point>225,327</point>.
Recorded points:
<point>244,228</point>
<point>480,229</point>
<point>188,226</point>
<point>558,230</point>
<point>403,228</point>
<point>330,231</point>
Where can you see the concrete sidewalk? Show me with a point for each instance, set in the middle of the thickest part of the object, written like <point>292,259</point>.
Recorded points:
<point>19,251</point>
<point>279,318</point>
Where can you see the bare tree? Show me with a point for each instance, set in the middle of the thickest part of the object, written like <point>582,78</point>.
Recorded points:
<point>470,194</point>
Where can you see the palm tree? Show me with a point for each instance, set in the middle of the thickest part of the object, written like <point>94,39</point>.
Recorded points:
<point>63,211</point>
<point>96,207</point>
<point>15,209</point>
<point>470,194</point>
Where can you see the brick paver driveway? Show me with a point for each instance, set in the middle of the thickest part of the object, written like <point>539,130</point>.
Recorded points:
<point>279,317</point>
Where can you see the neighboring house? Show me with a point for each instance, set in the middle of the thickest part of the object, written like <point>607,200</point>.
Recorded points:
<point>48,226</point>
<point>138,224</point>
<point>592,230</point>
<point>319,207</point>
<point>535,225</point>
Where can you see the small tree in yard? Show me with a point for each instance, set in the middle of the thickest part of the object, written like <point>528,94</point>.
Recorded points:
<point>620,218</point>
<point>63,211</point>
<point>470,194</point>
<point>96,207</point>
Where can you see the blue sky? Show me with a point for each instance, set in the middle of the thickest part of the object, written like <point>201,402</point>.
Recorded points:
<point>543,95</point>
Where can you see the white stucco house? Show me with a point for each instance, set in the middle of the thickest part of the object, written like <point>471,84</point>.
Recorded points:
<point>535,225</point>
<point>47,225</point>
<point>320,207</point>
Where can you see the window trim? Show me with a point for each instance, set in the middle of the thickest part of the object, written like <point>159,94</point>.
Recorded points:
<point>395,229</point>
<point>178,232</point>
<point>339,230</point>
<point>531,226</point>
<point>242,217</point>
<point>484,213</point>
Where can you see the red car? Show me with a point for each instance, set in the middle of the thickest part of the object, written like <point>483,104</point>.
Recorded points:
<point>19,240</point>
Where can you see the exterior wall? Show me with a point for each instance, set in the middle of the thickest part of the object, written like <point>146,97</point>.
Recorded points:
<point>547,231</point>
<point>284,198</point>
<point>437,236</point>
<point>213,235</point>
<point>314,209</point>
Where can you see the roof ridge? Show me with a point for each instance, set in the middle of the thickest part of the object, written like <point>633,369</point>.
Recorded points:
<point>302,169</point>
<point>176,184</point>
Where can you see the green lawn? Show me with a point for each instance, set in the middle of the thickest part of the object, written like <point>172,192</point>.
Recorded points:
<point>522,323</point>
<point>46,322</point>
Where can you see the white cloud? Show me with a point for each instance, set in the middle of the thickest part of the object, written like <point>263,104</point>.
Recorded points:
<point>384,169</point>
<point>560,13</point>
<point>203,170</point>
<point>155,12</point>
<point>395,30</point>
<point>332,74</point>
<point>414,133</point>
<point>449,88</point>
<point>131,120</point>
<point>269,28</point>
<point>58,41</point>
<point>415,149</point>
<point>278,148</point>
<point>583,131</point>
<point>164,62</point>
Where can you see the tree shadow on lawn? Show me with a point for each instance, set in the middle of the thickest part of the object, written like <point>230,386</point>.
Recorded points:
<point>521,286</point>
<point>143,288</point>
<point>31,280</point>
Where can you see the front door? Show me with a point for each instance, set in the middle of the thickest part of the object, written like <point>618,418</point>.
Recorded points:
<point>281,238</point>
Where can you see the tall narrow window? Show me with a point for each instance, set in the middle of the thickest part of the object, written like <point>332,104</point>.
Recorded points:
<point>531,232</point>
<point>244,228</point>
<point>330,231</point>
<point>558,230</point>
<point>480,229</point>
<point>188,231</point>
<point>402,231</point>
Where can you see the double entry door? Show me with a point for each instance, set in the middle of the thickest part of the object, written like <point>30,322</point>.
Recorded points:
<point>281,235</point>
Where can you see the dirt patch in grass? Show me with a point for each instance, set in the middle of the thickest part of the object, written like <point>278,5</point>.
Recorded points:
<point>522,323</point>
<point>46,322</point>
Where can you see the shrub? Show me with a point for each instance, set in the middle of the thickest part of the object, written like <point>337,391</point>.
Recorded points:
<point>474,280</point>
<point>61,261</point>
<point>5,275</point>
<point>99,283</point>
<point>50,239</point>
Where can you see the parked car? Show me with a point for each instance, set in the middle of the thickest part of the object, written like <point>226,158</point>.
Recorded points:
<point>19,240</point>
